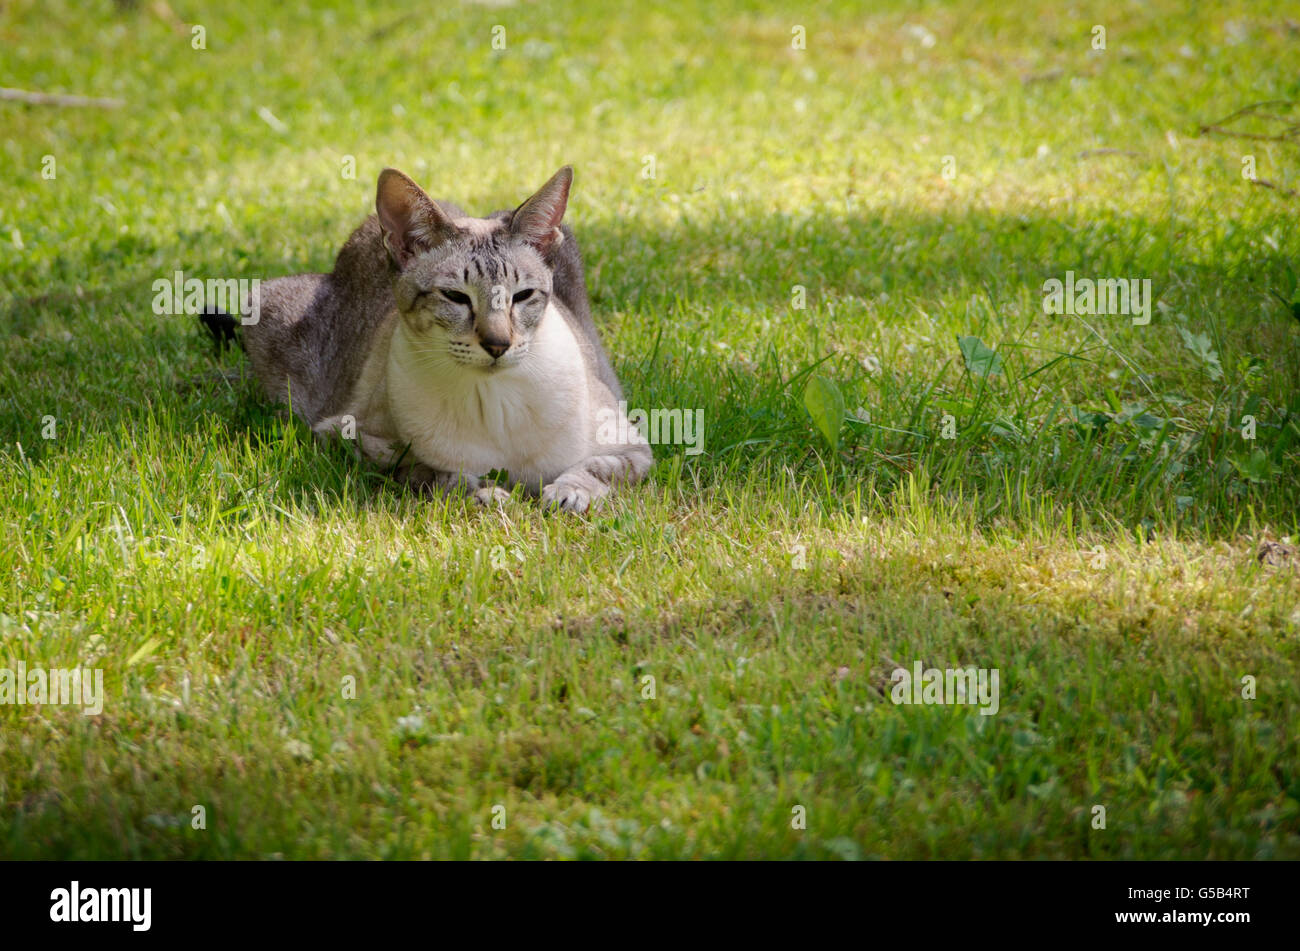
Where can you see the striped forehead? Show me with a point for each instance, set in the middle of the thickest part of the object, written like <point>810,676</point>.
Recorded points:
<point>476,228</point>
<point>493,256</point>
<point>487,264</point>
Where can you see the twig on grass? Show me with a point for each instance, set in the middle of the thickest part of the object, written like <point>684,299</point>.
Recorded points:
<point>1265,183</point>
<point>383,31</point>
<point>1289,132</point>
<point>56,99</point>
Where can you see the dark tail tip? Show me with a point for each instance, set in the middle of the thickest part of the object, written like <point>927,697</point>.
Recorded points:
<point>221,326</point>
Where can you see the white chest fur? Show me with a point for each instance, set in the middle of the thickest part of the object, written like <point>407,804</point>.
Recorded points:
<point>531,419</point>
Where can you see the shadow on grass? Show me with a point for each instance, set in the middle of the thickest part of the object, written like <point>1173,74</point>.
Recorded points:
<point>771,682</point>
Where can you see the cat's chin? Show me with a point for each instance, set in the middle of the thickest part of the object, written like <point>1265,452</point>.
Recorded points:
<point>501,366</point>
<point>471,370</point>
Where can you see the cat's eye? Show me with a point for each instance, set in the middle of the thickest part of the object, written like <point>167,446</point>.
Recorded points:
<point>456,297</point>
<point>523,295</point>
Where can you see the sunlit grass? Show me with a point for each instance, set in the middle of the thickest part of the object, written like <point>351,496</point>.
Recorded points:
<point>1089,529</point>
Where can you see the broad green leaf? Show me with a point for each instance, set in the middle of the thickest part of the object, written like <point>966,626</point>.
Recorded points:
<point>1202,346</point>
<point>980,360</point>
<point>825,404</point>
<point>1137,415</point>
<point>956,407</point>
<point>1089,418</point>
<point>1256,468</point>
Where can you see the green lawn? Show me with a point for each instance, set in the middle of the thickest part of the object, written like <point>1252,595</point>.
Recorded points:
<point>334,669</point>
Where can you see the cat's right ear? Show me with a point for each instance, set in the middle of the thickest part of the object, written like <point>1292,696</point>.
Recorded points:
<point>410,220</point>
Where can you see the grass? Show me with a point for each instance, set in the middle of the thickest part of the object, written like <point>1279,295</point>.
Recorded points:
<point>333,669</point>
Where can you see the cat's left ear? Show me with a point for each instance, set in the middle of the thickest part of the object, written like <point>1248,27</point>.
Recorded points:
<point>537,221</point>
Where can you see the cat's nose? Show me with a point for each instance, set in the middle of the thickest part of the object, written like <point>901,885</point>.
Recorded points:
<point>494,346</point>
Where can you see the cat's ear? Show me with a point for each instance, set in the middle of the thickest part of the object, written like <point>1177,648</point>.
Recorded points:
<point>410,220</point>
<point>537,221</point>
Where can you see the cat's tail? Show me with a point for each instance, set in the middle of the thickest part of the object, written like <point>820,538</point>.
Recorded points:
<point>221,326</point>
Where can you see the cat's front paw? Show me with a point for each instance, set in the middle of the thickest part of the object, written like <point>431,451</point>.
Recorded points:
<point>491,495</point>
<point>566,496</point>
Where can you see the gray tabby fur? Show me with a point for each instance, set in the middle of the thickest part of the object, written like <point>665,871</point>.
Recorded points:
<point>443,390</point>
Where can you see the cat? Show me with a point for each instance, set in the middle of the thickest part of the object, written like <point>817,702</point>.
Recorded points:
<point>450,347</point>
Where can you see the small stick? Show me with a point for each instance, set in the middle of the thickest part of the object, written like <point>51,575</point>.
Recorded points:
<point>1290,131</point>
<point>1265,183</point>
<point>54,99</point>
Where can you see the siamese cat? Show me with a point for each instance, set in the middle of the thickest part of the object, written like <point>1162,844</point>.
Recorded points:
<point>450,347</point>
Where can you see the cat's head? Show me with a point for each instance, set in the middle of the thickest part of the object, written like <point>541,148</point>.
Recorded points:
<point>471,289</point>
